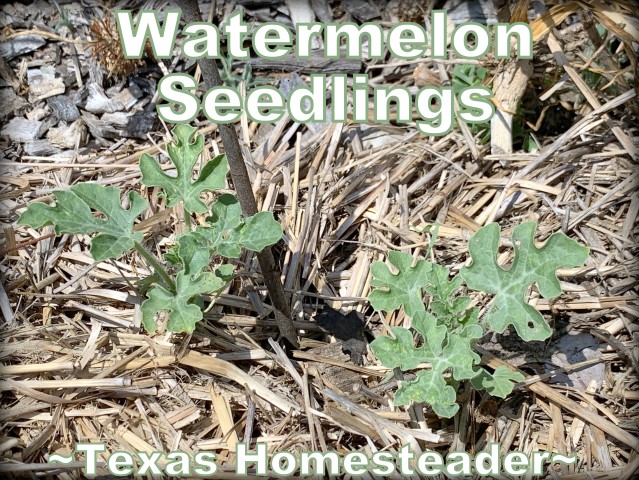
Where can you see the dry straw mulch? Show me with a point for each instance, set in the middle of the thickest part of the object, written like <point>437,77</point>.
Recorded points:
<point>76,365</point>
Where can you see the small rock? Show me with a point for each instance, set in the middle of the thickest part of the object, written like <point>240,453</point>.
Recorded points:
<point>69,136</point>
<point>43,84</point>
<point>461,11</point>
<point>19,129</point>
<point>63,108</point>
<point>140,123</point>
<point>37,114</point>
<point>100,129</point>
<point>20,45</point>
<point>575,348</point>
<point>126,98</point>
<point>362,10</point>
<point>11,103</point>
<point>40,148</point>
<point>116,119</point>
<point>97,101</point>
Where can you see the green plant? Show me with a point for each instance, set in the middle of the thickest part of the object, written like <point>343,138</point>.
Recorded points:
<point>465,76</point>
<point>232,79</point>
<point>444,333</point>
<point>177,286</point>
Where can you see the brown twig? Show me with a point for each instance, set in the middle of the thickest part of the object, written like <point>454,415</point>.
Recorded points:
<point>241,181</point>
<point>35,31</point>
<point>26,243</point>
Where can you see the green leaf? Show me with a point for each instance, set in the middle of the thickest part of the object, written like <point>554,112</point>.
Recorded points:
<point>73,213</point>
<point>530,144</point>
<point>445,335</point>
<point>438,285</point>
<point>183,313</point>
<point>500,383</point>
<point>260,231</point>
<point>433,335</point>
<point>459,355</point>
<point>445,350</point>
<point>429,386</point>
<point>398,351</point>
<point>465,76</point>
<point>532,265</point>
<point>184,154</point>
<point>227,235</point>
<point>144,284</point>
<point>445,305</point>
<point>403,288</point>
<point>225,272</point>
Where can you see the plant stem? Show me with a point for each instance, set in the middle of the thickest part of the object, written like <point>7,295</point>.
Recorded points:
<point>157,266</point>
<point>187,220</point>
<point>244,189</point>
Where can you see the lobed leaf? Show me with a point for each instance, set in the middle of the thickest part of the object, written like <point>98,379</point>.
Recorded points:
<point>403,288</point>
<point>438,286</point>
<point>448,308</point>
<point>399,351</point>
<point>433,335</point>
<point>458,355</point>
<point>531,265</point>
<point>183,313</point>
<point>73,213</point>
<point>444,350</point>
<point>227,234</point>
<point>184,154</point>
<point>445,336</point>
<point>500,383</point>
<point>431,387</point>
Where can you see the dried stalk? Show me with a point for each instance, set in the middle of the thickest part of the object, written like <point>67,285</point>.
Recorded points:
<point>241,181</point>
